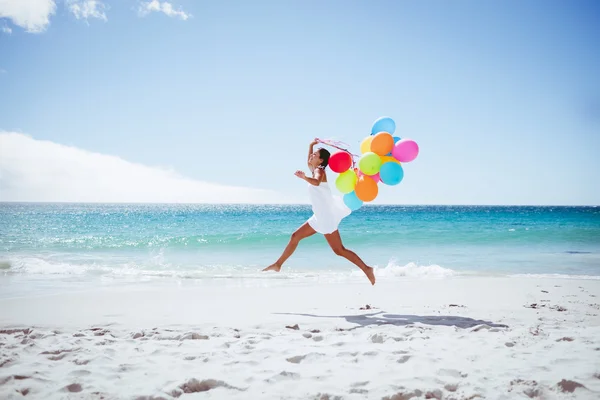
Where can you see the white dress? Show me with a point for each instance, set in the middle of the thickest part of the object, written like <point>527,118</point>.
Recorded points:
<point>329,210</point>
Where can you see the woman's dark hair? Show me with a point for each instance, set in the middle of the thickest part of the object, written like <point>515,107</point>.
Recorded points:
<point>324,155</point>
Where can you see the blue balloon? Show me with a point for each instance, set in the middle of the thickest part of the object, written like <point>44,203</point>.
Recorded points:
<point>391,173</point>
<point>383,124</point>
<point>352,202</point>
<point>396,140</point>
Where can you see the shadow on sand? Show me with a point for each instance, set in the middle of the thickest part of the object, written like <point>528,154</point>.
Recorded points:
<point>383,318</point>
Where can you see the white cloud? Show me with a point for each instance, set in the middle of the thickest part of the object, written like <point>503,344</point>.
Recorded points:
<point>32,15</point>
<point>6,30</point>
<point>2,71</point>
<point>84,9</point>
<point>36,170</point>
<point>146,7</point>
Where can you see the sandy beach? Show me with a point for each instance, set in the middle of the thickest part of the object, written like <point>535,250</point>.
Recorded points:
<point>454,338</point>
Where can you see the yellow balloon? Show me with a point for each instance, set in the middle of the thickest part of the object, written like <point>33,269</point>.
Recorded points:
<point>365,145</point>
<point>385,159</point>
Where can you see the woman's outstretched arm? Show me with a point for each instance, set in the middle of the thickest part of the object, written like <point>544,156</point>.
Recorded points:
<point>316,181</point>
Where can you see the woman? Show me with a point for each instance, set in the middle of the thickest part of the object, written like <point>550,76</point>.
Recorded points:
<point>328,211</point>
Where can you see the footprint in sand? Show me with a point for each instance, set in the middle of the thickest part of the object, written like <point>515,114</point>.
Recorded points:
<point>295,359</point>
<point>196,386</point>
<point>451,387</point>
<point>377,338</point>
<point>80,372</point>
<point>73,388</point>
<point>56,352</point>
<point>435,394</point>
<point>299,359</point>
<point>56,355</point>
<point>348,353</point>
<point>326,396</point>
<point>7,379</point>
<point>452,372</point>
<point>283,375</point>
<point>403,359</point>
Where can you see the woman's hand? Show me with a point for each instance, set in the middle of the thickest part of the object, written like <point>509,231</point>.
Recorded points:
<point>311,148</point>
<point>300,174</point>
<point>313,181</point>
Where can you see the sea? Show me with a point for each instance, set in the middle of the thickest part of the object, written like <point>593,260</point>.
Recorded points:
<point>55,247</point>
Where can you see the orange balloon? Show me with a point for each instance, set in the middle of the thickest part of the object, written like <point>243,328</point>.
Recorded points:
<point>382,143</point>
<point>366,188</point>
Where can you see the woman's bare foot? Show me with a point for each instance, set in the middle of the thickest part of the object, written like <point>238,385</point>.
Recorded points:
<point>273,267</point>
<point>370,273</point>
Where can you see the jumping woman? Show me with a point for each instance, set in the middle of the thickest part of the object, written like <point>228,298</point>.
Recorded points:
<point>328,212</point>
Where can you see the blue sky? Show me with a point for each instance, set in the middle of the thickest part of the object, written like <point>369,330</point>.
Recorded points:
<point>502,97</point>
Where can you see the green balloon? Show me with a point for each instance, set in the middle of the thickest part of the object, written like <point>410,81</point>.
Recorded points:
<point>346,181</point>
<point>369,163</point>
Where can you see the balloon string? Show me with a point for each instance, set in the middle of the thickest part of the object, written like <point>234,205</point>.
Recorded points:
<point>337,145</point>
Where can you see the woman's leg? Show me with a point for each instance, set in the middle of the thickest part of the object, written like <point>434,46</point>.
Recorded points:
<point>335,241</point>
<point>301,233</point>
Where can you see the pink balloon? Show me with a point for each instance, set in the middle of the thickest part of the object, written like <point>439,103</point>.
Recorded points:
<point>405,150</point>
<point>375,177</point>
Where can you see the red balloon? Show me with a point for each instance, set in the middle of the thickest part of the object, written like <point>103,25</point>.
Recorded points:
<point>340,162</point>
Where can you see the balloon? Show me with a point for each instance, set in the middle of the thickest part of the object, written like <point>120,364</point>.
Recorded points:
<point>352,202</point>
<point>396,139</point>
<point>382,143</point>
<point>340,161</point>
<point>385,159</point>
<point>365,145</point>
<point>391,173</point>
<point>369,163</point>
<point>366,188</point>
<point>346,181</point>
<point>383,124</point>
<point>405,150</point>
<point>375,177</point>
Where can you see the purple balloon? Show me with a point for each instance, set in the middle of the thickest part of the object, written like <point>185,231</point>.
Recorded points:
<point>405,150</point>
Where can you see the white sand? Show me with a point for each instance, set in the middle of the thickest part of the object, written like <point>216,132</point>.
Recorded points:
<point>228,340</point>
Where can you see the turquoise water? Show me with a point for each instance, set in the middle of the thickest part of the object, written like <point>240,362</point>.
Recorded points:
<point>203,241</point>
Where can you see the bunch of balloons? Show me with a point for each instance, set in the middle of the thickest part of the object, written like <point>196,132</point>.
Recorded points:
<point>380,161</point>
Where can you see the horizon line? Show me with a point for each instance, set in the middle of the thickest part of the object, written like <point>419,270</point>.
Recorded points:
<point>298,204</point>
